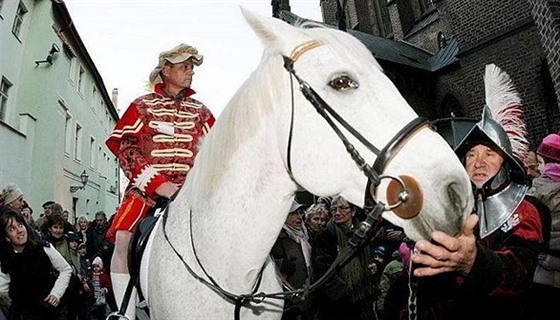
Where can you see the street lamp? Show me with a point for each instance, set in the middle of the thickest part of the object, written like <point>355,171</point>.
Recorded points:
<point>84,179</point>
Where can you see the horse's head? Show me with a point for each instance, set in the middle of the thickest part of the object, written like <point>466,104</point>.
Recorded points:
<point>347,77</point>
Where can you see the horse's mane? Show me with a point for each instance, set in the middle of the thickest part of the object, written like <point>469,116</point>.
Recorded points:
<point>247,111</point>
<point>244,115</point>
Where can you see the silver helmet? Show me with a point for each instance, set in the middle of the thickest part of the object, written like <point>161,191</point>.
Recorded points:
<point>490,133</point>
<point>502,130</point>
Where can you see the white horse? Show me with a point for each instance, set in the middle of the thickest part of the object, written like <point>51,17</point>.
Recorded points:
<point>238,194</point>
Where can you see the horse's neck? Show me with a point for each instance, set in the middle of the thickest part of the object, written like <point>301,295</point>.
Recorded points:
<point>240,222</point>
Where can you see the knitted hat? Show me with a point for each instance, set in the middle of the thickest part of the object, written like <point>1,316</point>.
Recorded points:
<point>550,147</point>
<point>97,262</point>
<point>10,194</point>
<point>179,54</point>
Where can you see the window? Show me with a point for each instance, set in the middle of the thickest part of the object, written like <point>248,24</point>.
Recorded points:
<point>18,20</point>
<point>103,165</point>
<point>78,142</point>
<point>93,98</point>
<point>99,162</point>
<point>5,86</point>
<point>92,154</point>
<point>72,71</point>
<point>382,19</point>
<point>424,5</point>
<point>67,134</point>
<point>81,79</point>
<point>107,166</point>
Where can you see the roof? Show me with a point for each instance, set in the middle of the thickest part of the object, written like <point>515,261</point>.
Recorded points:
<point>398,52</point>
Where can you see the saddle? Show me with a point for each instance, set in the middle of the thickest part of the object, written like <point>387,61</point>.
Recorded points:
<point>139,241</point>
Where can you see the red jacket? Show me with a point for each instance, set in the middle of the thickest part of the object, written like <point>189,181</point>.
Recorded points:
<point>158,137</point>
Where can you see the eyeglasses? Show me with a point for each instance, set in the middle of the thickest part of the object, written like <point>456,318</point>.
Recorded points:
<point>343,208</point>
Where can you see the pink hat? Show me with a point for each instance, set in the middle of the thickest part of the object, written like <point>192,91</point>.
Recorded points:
<point>550,147</point>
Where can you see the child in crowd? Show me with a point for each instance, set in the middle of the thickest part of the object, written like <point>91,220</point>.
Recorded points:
<point>79,308</point>
<point>101,284</point>
<point>82,251</point>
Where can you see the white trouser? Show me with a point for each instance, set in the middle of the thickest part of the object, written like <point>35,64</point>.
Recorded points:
<point>120,281</point>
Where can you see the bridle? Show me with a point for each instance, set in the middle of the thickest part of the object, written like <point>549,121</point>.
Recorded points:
<point>373,173</point>
<point>374,208</point>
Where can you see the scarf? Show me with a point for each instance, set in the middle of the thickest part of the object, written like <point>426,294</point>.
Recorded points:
<point>552,170</point>
<point>301,237</point>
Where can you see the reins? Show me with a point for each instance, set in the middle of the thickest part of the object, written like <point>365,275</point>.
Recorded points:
<point>358,241</point>
<point>237,300</point>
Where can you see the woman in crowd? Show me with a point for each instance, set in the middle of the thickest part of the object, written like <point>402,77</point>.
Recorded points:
<point>55,235</point>
<point>316,218</point>
<point>36,275</point>
<point>81,227</point>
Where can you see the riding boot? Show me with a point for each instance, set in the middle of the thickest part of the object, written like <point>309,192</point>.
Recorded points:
<point>120,282</point>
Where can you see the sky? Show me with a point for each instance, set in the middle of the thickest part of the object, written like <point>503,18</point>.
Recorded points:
<point>125,37</point>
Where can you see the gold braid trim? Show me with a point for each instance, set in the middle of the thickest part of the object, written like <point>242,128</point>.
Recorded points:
<point>303,48</point>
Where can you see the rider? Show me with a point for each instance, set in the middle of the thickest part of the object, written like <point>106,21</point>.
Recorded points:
<point>156,141</point>
<point>487,268</point>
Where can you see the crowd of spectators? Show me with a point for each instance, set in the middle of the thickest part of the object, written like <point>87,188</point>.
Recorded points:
<point>50,268</point>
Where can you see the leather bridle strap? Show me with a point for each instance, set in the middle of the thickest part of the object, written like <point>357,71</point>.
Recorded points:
<point>393,147</point>
<point>386,154</point>
<point>327,112</point>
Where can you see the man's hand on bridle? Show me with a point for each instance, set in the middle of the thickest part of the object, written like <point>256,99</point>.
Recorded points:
<point>446,253</point>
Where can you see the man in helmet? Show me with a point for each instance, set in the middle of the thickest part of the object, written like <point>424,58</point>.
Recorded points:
<point>156,141</point>
<point>488,266</point>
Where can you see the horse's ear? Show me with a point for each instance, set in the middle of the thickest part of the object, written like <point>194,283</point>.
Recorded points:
<point>276,35</point>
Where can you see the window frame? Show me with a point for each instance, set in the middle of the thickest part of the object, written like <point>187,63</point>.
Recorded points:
<point>5,86</point>
<point>18,19</point>
<point>81,80</point>
<point>92,154</point>
<point>78,141</point>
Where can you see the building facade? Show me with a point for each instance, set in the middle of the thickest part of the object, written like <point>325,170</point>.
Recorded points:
<point>522,37</point>
<point>55,112</point>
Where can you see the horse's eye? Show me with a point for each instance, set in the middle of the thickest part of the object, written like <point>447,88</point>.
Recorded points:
<point>343,83</point>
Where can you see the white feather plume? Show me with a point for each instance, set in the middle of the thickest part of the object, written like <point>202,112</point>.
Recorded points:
<point>505,105</point>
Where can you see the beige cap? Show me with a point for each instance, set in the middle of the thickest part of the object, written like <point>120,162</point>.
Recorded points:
<point>178,54</point>
<point>10,194</point>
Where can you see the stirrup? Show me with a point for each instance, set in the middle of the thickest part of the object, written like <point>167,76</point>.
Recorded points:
<point>118,315</point>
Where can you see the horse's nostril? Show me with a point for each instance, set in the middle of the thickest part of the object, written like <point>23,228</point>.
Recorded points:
<point>458,200</point>
<point>454,196</point>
